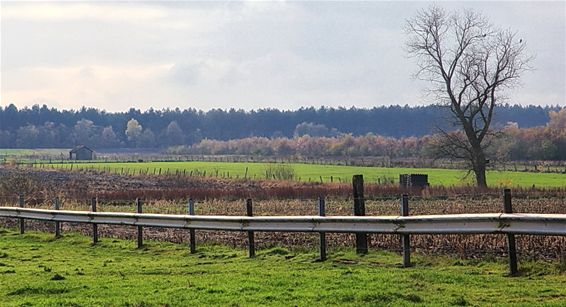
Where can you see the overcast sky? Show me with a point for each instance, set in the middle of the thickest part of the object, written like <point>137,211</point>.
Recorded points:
<point>118,55</point>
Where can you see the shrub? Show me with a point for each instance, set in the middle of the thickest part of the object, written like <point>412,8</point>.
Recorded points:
<point>279,171</point>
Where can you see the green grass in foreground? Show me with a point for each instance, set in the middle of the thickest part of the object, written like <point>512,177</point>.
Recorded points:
<point>313,172</point>
<point>38,270</point>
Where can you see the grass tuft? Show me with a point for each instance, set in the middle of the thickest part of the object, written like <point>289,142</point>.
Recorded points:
<point>57,277</point>
<point>460,301</point>
<point>413,298</point>
<point>276,251</point>
<point>38,291</point>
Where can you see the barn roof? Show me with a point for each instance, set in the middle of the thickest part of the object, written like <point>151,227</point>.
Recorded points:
<point>79,147</point>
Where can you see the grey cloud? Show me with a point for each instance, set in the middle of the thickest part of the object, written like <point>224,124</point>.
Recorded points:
<point>184,74</point>
<point>251,55</point>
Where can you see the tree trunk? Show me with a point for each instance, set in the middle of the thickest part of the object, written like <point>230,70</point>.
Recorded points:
<point>479,166</point>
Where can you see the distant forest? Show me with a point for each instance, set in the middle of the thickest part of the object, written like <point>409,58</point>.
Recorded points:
<point>44,127</point>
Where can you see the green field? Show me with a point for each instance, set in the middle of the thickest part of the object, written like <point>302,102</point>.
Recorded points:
<point>37,270</point>
<point>55,152</point>
<point>313,172</point>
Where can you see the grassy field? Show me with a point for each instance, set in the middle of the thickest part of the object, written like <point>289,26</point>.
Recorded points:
<point>35,269</point>
<point>34,152</point>
<point>314,172</point>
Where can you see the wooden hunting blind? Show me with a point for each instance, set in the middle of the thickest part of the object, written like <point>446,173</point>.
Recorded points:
<point>413,180</point>
<point>81,152</point>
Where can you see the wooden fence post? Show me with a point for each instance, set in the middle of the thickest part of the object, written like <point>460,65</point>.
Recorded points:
<point>251,241</point>
<point>140,228</point>
<point>322,212</point>
<point>192,235</point>
<point>56,205</point>
<point>93,202</point>
<point>360,210</point>
<point>511,246</point>
<point>405,238</point>
<point>21,202</point>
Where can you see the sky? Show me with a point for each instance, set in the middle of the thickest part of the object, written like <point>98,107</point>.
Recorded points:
<point>245,55</point>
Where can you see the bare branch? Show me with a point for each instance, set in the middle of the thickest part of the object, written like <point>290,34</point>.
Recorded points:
<point>469,64</point>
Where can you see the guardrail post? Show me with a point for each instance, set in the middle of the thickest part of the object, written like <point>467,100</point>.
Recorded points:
<point>405,238</point>
<point>56,205</point>
<point>140,228</point>
<point>251,241</point>
<point>322,212</point>
<point>511,246</point>
<point>21,202</point>
<point>192,235</point>
<point>360,210</point>
<point>93,202</point>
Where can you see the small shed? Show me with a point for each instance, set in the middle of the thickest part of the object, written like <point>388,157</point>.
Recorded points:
<point>413,180</point>
<point>81,152</point>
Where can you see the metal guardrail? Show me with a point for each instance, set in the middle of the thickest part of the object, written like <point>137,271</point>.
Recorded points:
<point>486,223</point>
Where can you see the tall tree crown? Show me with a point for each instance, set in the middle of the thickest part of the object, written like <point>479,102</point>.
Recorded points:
<point>469,64</point>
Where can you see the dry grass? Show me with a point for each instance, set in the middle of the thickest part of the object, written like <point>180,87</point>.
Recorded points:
<point>168,195</point>
<point>40,184</point>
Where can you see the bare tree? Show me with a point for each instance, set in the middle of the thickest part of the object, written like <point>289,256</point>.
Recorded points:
<point>469,64</point>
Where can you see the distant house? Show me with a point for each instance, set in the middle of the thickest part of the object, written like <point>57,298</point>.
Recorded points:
<point>81,152</point>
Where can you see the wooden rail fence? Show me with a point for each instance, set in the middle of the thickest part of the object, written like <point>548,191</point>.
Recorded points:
<point>404,225</point>
<point>488,223</point>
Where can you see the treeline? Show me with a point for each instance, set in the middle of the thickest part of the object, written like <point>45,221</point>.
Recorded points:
<point>43,127</point>
<point>510,143</point>
<point>537,143</point>
<point>345,145</point>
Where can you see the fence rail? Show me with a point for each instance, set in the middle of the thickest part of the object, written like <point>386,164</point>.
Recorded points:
<point>485,223</point>
<point>506,223</point>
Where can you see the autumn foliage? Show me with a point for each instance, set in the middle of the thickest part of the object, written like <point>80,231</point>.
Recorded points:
<point>510,143</point>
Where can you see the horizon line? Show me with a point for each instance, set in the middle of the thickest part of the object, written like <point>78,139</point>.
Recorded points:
<point>353,107</point>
